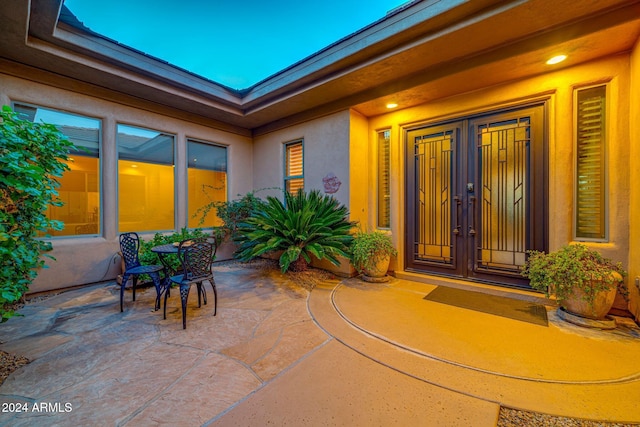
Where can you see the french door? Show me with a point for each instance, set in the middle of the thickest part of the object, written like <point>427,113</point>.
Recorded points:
<point>476,195</point>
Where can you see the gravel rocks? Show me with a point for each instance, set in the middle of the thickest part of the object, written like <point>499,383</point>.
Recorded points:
<point>9,363</point>
<point>514,418</point>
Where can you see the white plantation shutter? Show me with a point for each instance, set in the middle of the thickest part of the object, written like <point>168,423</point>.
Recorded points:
<point>294,167</point>
<point>384,183</point>
<point>590,179</point>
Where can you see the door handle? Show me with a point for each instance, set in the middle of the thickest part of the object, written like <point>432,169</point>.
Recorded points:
<point>456,228</point>
<point>472,227</point>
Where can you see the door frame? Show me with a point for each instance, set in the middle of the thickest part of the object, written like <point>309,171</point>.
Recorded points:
<point>537,236</point>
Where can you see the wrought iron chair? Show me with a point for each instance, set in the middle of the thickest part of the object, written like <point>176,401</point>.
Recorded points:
<point>129,247</point>
<point>196,257</point>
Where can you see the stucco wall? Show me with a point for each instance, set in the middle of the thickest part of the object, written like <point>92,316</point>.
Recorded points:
<point>557,88</point>
<point>326,150</point>
<point>360,169</point>
<point>634,193</point>
<point>342,143</point>
<point>82,260</point>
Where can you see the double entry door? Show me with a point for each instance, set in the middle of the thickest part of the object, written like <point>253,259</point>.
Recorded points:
<point>476,195</point>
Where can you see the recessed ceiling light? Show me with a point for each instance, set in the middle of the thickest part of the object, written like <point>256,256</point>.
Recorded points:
<point>556,59</point>
<point>392,105</point>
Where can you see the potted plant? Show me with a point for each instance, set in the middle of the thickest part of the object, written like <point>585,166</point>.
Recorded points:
<point>583,281</point>
<point>371,253</point>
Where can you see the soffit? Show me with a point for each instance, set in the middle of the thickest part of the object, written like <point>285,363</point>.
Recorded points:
<point>582,41</point>
<point>492,50</point>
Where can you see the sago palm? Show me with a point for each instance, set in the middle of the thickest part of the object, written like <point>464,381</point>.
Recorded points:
<point>307,224</point>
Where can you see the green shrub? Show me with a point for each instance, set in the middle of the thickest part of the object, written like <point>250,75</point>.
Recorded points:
<point>148,257</point>
<point>32,157</point>
<point>231,213</point>
<point>572,266</point>
<point>308,224</point>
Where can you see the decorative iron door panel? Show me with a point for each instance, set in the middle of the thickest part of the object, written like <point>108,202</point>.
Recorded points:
<point>476,196</point>
<point>502,159</point>
<point>435,214</point>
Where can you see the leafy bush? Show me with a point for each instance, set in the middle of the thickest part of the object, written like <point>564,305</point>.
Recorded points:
<point>369,248</point>
<point>308,224</point>
<point>148,257</point>
<point>32,157</point>
<point>231,213</point>
<point>572,266</point>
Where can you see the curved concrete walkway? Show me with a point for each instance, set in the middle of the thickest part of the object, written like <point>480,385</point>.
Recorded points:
<point>561,369</point>
<point>348,353</point>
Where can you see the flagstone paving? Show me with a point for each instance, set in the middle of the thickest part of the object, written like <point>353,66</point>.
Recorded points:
<point>136,368</point>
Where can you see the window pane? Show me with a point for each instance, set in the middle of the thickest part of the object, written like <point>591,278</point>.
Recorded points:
<point>80,186</point>
<point>384,185</point>
<point>144,145</point>
<point>145,180</point>
<point>294,167</point>
<point>294,159</point>
<point>207,181</point>
<point>590,185</point>
<point>293,185</point>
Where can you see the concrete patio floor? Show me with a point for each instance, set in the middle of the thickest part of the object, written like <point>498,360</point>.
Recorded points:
<point>347,353</point>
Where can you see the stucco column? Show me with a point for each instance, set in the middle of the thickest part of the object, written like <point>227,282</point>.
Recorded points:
<point>109,151</point>
<point>181,180</point>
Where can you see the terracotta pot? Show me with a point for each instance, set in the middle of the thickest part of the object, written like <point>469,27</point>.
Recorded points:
<point>601,305</point>
<point>379,270</point>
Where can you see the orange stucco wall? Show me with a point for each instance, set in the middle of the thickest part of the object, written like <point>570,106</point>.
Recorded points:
<point>82,260</point>
<point>634,182</point>
<point>556,87</point>
<point>360,148</point>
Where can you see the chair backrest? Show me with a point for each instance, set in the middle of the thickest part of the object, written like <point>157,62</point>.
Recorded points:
<point>196,257</point>
<point>129,246</point>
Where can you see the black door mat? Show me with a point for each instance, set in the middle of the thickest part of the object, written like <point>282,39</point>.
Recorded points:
<point>491,304</point>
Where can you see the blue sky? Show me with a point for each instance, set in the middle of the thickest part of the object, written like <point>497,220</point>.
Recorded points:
<point>233,42</point>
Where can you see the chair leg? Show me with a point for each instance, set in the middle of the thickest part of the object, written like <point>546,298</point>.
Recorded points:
<point>184,295</point>
<point>158,284</point>
<point>125,277</point>
<point>135,282</point>
<point>166,295</point>
<point>199,286</point>
<point>215,297</point>
<point>167,284</point>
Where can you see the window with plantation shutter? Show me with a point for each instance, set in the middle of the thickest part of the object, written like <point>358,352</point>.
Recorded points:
<point>294,167</point>
<point>384,185</point>
<point>590,209</point>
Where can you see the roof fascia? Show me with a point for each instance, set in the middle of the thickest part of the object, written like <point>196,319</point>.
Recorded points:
<point>129,58</point>
<point>356,43</point>
<point>45,24</point>
<point>329,64</point>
